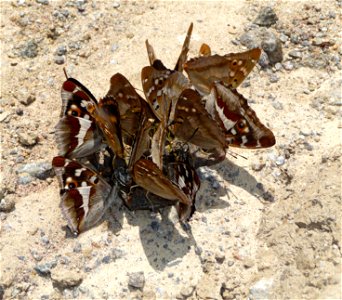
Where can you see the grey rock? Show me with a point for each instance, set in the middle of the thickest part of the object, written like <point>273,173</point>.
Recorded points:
<point>40,170</point>
<point>27,100</point>
<point>283,37</point>
<point>25,178</point>
<point>62,278</point>
<point>77,248</point>
<point>44,2</point>
<point>274,78</point>
<point>61,50</point>
<point>27,138</point>
<point>30,49</point>
<point>116,4</point>
<point>117,253</point>
<point>75,45</point>
<point>288,65</point>
<point>264,61</point>
<point>59,59</point>
<point>267,40</point>
<point>45,269</point>
<point>258,166</point>
<point>278,66</point>
<point>5,117</point>
<point>19,111</point>
<point>136,280</point>
<point>45,240</point>
<point>280,160</point>
<point>277,105</point>
<point>261,289</point>
<point>295,54</point>
<point>114,47</point>
<point>155,225</point>
<point>36,255</point>
<point>266,17</point>
<point>7,204</point>
<point>106,259</point>
<point>220,257</point>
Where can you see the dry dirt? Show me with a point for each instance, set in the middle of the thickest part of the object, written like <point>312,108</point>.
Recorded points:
<point>267,227</point>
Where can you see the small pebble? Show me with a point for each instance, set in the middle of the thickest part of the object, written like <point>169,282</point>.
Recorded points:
<point>45,269</point>
<point>266,17</point>
<point>27,138</point>
<point>136,280</point>
<point>59,59</point>
<point>283,38</point>
<point>280,160</point>
<point>61,50</point>
<point>295,54</point>
<point>7,205</point>
<point>27,100</point>
<point>274,78</point>
<point>77,248</point>
<point>44,2</point>
<point>106,259</point>
<point>45,240</point>
<point>288,65</point>
<point>257,166</point>
<point>29,50</point>
<point>116,4</point>
<point>41,170</point>
<point>25,178</point>
<point>277,105</point>
<point>114,47</point>
<point>278,66</point>
<point>19,111</point>
<point>63,278</point>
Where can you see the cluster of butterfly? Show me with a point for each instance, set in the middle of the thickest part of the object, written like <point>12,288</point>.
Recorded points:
<point>146,151</point>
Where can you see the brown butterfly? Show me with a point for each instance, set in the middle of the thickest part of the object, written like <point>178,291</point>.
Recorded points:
<point>241,126</point>
<point>85,195</point>
<point>156,63</point>
<point>85,123</point>
<point>148,175</point>
<point>231,69</point>
<point>193,124</point>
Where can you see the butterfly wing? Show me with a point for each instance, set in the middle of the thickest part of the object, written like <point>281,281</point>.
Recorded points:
<point>240,123</point>
<point>193,124</point>
<point>147,175</point>
<point>185,49</point>
<point>85,195</point>
<point>76,133</point>
<point>231,69</point>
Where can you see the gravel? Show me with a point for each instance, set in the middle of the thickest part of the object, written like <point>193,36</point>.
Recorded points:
<point>41,170</point>
<point>63,278</point>
<point>136,280</point>
<point>30,49</point>
<point>266,17</point>
<point>267,40</point>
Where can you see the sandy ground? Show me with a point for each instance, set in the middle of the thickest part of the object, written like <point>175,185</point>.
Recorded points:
<point>267,227</point>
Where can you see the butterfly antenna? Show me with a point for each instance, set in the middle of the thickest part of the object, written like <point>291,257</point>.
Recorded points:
<point>236,155</point>
<point>192,135</point>
<point>65,73</point>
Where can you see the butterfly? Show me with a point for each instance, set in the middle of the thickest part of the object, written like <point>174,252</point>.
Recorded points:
<point>230,69</point>
<point>85,123</point>
<point>181,59</point>
<point>85,195</point>
<point>181,171</point>
<point>241,126</point>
